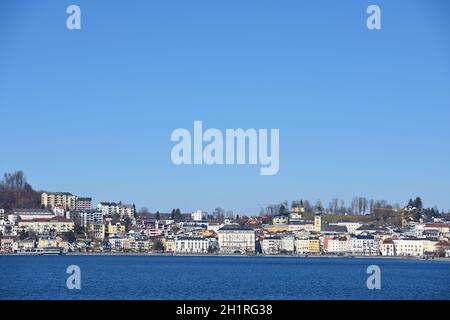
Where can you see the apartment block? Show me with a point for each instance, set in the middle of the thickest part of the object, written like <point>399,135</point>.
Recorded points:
<point>57,224</point>
<point>287,244</point>
<point>199,215</point>
<point>51,199</point>
<point>96,230</point>
<point>364,245</point>
<point>115,228</point>
<point>83,204</point>
<point>112,208</point>
<point>271,245</point>
<point>336,245</point>
<point>87,217</point>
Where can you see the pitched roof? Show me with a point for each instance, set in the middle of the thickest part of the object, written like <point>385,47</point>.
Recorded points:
<point>58,193</point>
<point>84,199</point>
<point>54,219</point>
<point>437,225</point>
<point>333,228</point>
<point>32,211</point>
<point>235,228</point>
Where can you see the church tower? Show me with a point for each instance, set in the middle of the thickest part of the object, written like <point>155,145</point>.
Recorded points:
<point>318,222</point>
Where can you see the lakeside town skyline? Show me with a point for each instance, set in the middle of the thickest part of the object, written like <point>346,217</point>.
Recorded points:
<point>60,222</point>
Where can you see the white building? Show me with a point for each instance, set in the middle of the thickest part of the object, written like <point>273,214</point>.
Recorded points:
<point>287,244</point>
<point>24,245</point>
<point>118,242</point>
<point>387,247</point>
<point>430,246</point>
<point>57,224</point>
<point>271,245</point>
<point>6,226</point>
<point>408,247</point>
<point>296,226</point>
<point>88,217</point>
<point>112,208</point>
<point>215,227</point>
<point>351,226</point>
<point>302,246</point>
<point>336,245</point>
<point>59,210</point>
<point>295,216</point>
<point>364,245</point>
<point>31,214</point>
<point>191,245</point>
<point>235,239</point>
<point>277,220</point>
<point>139,245</point>
<point>6,244</point>
<point>199,215</point>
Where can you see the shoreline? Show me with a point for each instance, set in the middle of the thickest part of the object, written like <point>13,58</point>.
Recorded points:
<point>116,254</point>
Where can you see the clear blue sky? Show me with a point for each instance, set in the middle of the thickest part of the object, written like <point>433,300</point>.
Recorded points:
<point>360,112</point>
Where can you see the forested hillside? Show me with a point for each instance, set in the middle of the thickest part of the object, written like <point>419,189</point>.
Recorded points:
<point>16,192</point>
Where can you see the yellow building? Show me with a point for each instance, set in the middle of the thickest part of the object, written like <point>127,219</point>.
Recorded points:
<point>97,231</point>
<point>52,199</point>
<point>314,246</point>
<point>138,245</point>
<point>302,246</point>
<point>43,225</point>
<point>307,246</point>
<point>115,228</point>
<point>53,242</point>
<point>317,222</point>
<point>169,245</point>
<point>207,233</point>
<point>298,210</point>
<point>278,228</point>
<point>47,242</point>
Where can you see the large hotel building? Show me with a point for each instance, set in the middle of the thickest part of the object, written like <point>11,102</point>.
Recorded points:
<point>236,239</point>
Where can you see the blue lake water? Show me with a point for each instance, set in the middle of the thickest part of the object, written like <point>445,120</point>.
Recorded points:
<point>180,278</point>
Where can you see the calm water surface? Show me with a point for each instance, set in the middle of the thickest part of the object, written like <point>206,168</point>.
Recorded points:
<point>161,277</point>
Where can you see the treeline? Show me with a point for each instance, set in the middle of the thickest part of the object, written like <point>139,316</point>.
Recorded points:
<point>358,206</point>
<point>16,192</point>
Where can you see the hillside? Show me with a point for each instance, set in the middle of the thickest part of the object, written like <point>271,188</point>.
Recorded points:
<point>16,192</point>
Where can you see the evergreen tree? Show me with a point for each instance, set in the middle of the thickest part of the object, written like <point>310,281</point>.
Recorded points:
<point>418,203</point>
<point>282,209</point>
<point>410,203</point>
